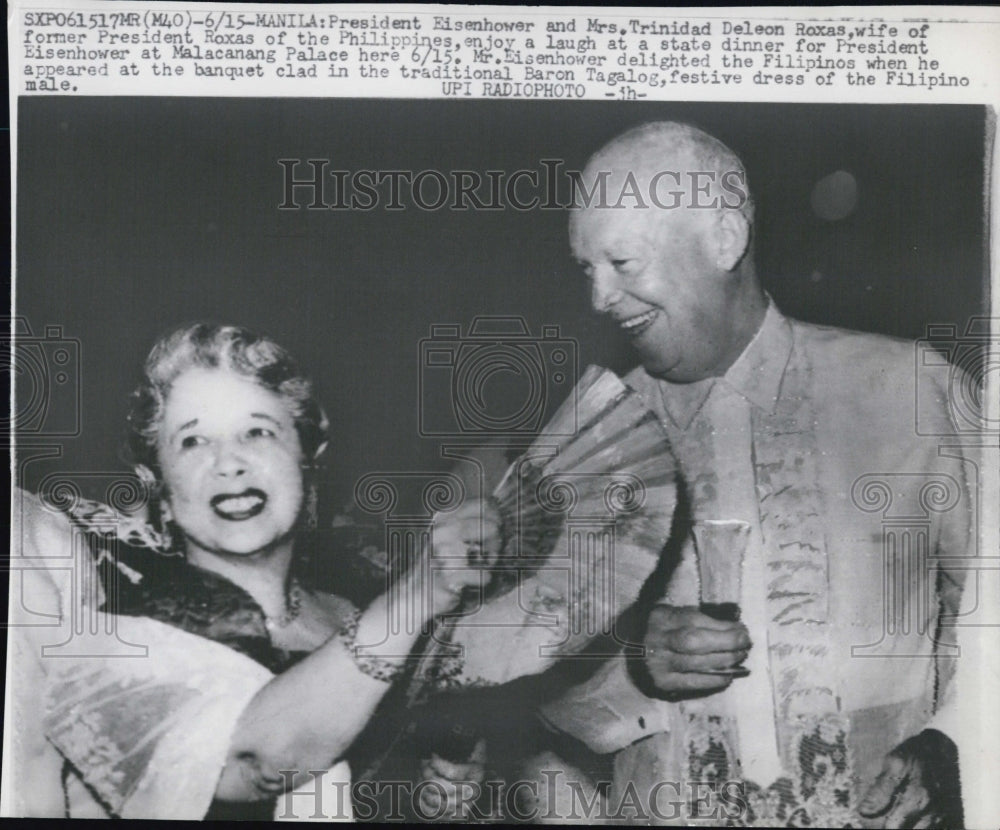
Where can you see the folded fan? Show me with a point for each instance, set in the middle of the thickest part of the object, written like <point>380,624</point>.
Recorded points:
<point>586,511</point>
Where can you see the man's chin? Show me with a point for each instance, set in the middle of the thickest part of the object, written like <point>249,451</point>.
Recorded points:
<point>653,360</point>
<point>664,370</point>
<point>670,371</point>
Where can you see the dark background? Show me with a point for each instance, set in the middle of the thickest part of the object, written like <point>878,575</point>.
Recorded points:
<point>134,214</point>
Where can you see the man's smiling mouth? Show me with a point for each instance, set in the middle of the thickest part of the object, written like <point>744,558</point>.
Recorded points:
<point>634,326</point>
<point>237,507</point>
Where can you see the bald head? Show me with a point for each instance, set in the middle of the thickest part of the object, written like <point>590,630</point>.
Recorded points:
<point>673,165</point>
<point>663,231</point>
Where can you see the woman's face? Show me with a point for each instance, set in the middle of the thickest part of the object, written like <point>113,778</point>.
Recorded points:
<point>231,463</point>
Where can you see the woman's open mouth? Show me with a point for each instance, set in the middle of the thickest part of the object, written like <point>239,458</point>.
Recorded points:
<point>634,326</point>
<point>236,507</point>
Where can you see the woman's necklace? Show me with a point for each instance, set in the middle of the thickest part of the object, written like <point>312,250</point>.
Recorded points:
<point>293,607</point>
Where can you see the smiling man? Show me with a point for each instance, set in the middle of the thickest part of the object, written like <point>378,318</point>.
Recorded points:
<point>669,264</point>
<point>806,434</point>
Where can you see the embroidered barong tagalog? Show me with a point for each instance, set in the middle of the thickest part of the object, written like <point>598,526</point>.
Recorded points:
<point>781,730</point>
<point>812,731</point>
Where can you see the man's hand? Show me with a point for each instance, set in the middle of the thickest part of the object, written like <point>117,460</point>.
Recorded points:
<point>683,646</point>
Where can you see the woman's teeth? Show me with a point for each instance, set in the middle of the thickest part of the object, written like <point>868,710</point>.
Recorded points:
<point>241,506</point>
<point>638,324</point>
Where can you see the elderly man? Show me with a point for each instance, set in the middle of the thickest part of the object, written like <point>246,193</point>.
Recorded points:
<point>806,434</point>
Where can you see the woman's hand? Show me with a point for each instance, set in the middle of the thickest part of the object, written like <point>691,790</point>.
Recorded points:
<point>465,546</point>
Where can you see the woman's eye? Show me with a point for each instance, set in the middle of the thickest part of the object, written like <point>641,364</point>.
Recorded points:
<point>189,441</point>
<point>260,432</point>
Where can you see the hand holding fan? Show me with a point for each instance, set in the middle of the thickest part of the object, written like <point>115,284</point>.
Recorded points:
<point>586,511</point>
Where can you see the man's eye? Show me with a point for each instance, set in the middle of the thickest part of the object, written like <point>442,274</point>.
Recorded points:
<point>623,264</point>
<point>189,441</point>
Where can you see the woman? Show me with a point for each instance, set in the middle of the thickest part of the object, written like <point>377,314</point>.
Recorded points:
<point>247,683</point>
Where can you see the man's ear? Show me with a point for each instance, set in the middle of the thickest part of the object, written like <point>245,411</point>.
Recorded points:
<point>732,235</point>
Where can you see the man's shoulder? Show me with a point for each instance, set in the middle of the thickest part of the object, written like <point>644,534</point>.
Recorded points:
<point>853,351</point>
<point>883,376</point>
<point>878,370</point>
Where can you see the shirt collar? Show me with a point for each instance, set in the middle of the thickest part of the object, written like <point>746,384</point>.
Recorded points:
<point>757,372</point>
<point>756,375</point>
<point>682,401</point>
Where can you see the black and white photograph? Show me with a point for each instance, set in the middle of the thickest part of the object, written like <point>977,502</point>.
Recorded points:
<point>502,460</point>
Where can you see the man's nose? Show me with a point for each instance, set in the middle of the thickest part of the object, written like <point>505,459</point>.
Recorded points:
<point>604,290</point>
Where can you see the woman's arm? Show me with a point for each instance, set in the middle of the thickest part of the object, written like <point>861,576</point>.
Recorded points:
<point>305,718</point>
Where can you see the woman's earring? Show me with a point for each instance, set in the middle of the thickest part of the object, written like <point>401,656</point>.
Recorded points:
<point>173,539</point>
<point>157,528</point>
